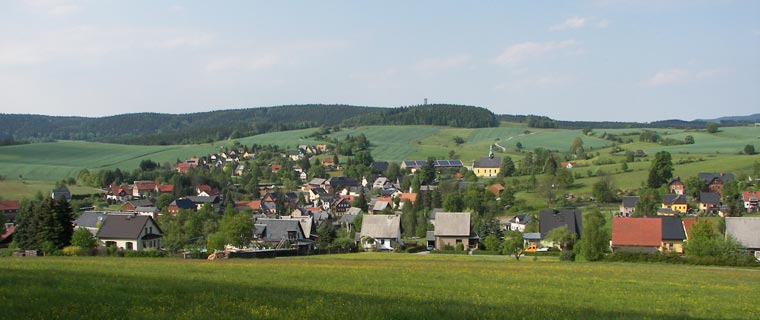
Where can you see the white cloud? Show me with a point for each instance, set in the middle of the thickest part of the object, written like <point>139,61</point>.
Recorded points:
<point>571,23</point>
<point>580,22</point>
<point>243,63</point>
<point>520,52</point>
<point>442,64</point>
<point>538,82</point>
<point>53,7</point>
<point>673,76</point>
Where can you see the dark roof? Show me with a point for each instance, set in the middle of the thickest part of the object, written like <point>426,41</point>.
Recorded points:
<point>671,199</point>
<point>521,219</point>
<point>89,219</point>
<point>343,181</point>
<point>141,203</point>
<point>183,204</point>
<point>277,229</point>
<point>436,163</point>
<point>486,162</point>
<point>465,184</point>
<point>709,197</point>
<point>672,228</point>
<point>124,226</point>
<point>549,219</point>
<point>379,166</point>
<point>201,199</point>
<point>61,192</point>
<point>348,218</point>
<point>708,177</point>
<point>630,201</point>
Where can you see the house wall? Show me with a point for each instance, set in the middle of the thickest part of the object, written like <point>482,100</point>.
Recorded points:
<point>671,246</point>
<point>382,244</point>
<point>486,172</point>
<point>682,208</point>
<point>442,241</point>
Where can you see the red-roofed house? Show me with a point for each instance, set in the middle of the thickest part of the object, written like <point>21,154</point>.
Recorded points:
<point>254,205</point>
<point>276,167</point>
<point>567,164</point>
<point>496,189</point>
<point>205,190</point>
<point>636,235</point>
<point>143,188</point>
<point>165,188</point>
<point>751,200</point>
<point>9,208</point>
<point>118,193</point>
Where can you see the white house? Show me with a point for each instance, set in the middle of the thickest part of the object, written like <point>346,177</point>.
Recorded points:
<point>129,232</point>
<point>384,230</point>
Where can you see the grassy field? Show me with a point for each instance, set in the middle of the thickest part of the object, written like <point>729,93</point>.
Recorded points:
<point>370,286</point>
<point>17,189</point>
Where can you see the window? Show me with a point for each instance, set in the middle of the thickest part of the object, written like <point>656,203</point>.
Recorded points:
<point>130,246</point>
<point>292,235</point>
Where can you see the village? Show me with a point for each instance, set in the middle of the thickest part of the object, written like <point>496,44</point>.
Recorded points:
<point>375,212</point>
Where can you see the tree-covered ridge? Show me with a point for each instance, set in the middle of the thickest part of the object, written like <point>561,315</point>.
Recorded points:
<point>156,128</point>
<point>458,116</point>
<point>535,121</point>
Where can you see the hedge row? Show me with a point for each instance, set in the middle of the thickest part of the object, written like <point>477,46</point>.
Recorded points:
<point>739,260</point>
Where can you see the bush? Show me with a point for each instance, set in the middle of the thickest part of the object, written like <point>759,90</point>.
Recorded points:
<point>415,249</point>
<point>567,255</point>
<point>486,252</point>
<point>7,252</point>
<point>74,251</point>
<point>460,247</point>
<point>739,260</point>
<point>147,253</point>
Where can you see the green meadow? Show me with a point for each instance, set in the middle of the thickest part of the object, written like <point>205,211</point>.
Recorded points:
<point>710,153</point>
<point>370,286</point>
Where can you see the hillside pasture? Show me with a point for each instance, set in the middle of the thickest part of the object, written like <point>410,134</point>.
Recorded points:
<point>370,286</point>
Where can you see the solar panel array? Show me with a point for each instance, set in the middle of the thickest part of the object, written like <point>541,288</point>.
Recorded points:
<point>438,163</point>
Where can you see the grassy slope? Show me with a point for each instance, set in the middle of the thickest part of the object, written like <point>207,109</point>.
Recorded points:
<point>17,189</point>
<point>370,286</point>
<point>54,161</point>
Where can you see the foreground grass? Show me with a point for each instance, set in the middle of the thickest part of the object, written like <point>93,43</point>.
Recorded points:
<point>370,286</point>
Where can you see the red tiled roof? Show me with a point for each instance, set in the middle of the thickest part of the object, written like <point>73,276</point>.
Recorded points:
<point>276,167</point>
<point>254,204</point>
<point>145,185</point>
<point>8,232</point>
<point>637,232</point>
<point>687,223</point>
<point>748,194</point>
<point>9,205</point>
<point>412,197</point>
<point>166,188</point>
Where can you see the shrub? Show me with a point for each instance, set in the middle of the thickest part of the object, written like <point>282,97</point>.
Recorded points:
<point>415,249</point>
<point>147,253</point>
<point>460,247</point>
<point>7,252</point>
<point>567,255</point>
<point>74,251</point>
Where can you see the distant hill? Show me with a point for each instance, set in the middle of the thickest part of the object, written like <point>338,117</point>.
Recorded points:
<point>750,118</point>
<point>166,129</point>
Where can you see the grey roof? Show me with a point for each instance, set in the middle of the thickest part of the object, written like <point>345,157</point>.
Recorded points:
<point>452,224</point>
<point>709,198</point>
<point>348,217</point>
<point>354,211</point>
<point>532,236</point>
<point>381,226</point>
<point>146,209</point>
<point>434,212</point>
<point>380,205</point>
<point>665,211</point>
<point>141,202</point>
<point>672,228</point>
<point>379,166</point>
<point>61,192</point>
<point>465,184</point>
<point>671,199</point>
<point>430,236</point>
<point>89,219</point>
<point>277,229</point>
<point>708,177</point>
<point>202,199</point>
<point>317,181</point>
<point>521,219</point>
<point>549,219</point>
<point>486,162</point>
<point>630,201</point>
<point>306,224</point>
<point>745,230</point>
<point>342,182</point>
<point>124,226</point>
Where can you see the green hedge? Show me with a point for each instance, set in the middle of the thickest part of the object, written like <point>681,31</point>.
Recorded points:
<point>448,252</point>
<point>738,260</point>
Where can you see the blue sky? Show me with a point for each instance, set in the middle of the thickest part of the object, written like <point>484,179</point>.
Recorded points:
<point>587,60</point>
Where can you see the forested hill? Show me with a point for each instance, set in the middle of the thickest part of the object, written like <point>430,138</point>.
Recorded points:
<point>155,128</point>
<point>546,122</point>
<point>435,114</point>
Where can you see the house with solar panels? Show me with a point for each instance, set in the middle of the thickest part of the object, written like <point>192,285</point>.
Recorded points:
<point>414,165</point>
